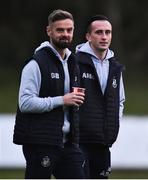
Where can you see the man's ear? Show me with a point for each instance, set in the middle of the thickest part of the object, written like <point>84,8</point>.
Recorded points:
<point>87,36</point>
<point>48,30</point>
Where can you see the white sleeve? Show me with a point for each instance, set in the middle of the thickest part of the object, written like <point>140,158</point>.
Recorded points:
<point>29,100</point>
<point>122,98</point>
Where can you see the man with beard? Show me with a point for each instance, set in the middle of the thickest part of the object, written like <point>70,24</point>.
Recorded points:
<point>46,120</point>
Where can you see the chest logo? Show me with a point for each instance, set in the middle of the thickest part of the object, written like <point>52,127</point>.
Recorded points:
<point>55,76</point>
<point>88,76</point>
<point>114,83</point>
<point>46,161</point>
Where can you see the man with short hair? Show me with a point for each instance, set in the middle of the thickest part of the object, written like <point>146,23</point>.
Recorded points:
<point>47,123</point>
<point>101,76</point>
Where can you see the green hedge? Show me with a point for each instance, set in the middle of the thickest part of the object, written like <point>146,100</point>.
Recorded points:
<point>136,95</point>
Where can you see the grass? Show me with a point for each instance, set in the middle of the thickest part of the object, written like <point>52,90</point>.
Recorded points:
<point>8,96</point>
<point>116,174</point>
<point>136,100</point>
<point>129,174</point>
<point>8,91</point>
<point>11,173</point>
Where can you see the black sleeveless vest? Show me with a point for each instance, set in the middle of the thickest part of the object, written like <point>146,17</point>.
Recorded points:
<point>46,128</point>
<point>99,115</point>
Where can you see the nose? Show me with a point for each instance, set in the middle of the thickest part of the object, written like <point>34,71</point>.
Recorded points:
<point>104,35</point>
<point>65,33</point>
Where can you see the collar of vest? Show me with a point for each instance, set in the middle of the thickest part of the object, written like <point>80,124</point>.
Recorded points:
<point>84,58</point>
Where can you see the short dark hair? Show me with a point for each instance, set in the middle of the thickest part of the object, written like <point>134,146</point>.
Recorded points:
<point>59,15</point>
<point>95,18</point>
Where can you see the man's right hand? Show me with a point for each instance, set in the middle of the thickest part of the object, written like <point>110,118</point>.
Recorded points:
<point>72,98</point>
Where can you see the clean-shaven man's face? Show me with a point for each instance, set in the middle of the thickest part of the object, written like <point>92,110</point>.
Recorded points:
<point>100,35</point>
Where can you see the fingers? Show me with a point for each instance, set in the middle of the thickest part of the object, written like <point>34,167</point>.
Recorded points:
<point>73,99</point>
<point>78,99</point>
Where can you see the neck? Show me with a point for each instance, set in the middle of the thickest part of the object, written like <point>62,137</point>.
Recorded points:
<point>62,52</point>
<point>101,54</point>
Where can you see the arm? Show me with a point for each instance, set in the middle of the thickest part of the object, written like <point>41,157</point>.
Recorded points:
<point>29,100</point>
<point>122,98</point>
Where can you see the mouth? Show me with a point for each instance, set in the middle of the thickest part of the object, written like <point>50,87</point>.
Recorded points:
<point>64,39</point>
<point>104,43</point>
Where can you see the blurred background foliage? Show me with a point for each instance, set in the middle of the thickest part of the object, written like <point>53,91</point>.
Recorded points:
<point>22,29</point>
